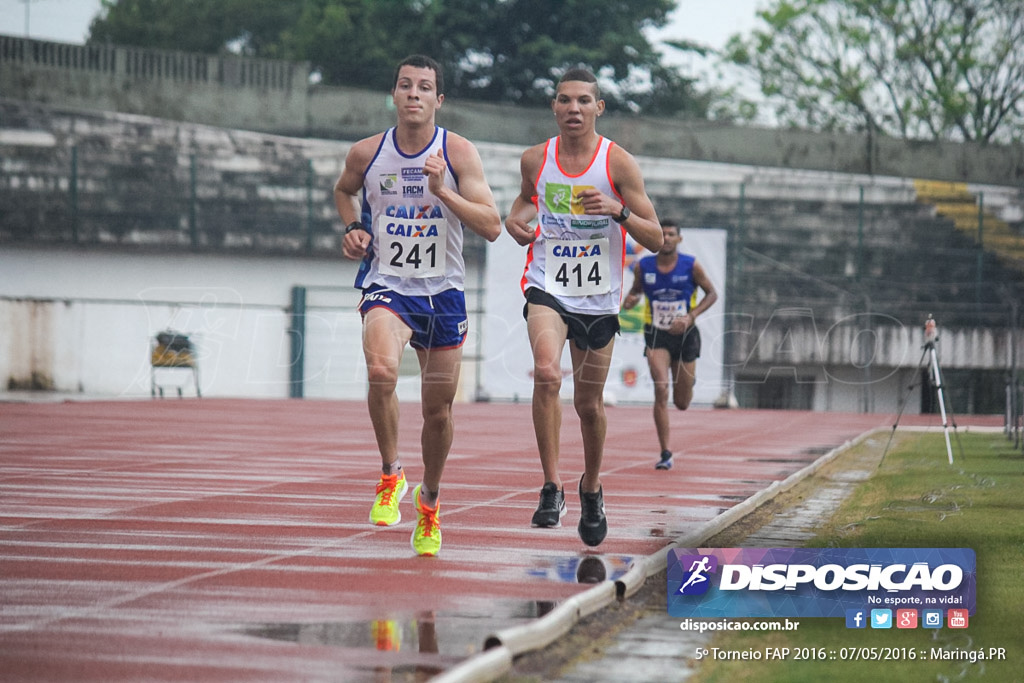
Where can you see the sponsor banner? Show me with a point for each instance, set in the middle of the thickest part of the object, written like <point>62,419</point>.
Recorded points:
<point>818,582</point>
<point>506,363</point>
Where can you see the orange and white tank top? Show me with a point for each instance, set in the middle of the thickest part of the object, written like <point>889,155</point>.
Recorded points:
<point>577,258</point>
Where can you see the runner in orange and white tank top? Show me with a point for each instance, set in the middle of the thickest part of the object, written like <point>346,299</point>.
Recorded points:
<point>586,193</point>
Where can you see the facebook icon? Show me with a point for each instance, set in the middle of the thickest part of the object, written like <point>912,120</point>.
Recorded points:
<point>856,618</point>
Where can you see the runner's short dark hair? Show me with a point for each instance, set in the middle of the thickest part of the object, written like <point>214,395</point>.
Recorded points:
<point>579,73</point>
<point>422,62</point>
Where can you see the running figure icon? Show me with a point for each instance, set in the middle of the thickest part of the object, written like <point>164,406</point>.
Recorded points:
<point>697,573</point>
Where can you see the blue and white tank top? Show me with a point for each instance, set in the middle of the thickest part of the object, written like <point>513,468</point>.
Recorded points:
<point>417,241</point>
<point>668,294</point>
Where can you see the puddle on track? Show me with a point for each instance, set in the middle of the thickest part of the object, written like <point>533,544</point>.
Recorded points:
<point>406,644</point>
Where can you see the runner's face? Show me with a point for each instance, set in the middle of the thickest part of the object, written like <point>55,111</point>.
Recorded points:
<point>415,94</point>
<point>576,107</point>
<point>672,240</point>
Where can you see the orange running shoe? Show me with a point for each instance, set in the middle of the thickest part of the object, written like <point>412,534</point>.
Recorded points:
<point>426,537</point>
<point>390,490</point>
<point>386,634</point>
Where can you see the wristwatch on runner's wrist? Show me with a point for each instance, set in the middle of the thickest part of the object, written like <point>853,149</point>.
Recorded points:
<point>623,215</point>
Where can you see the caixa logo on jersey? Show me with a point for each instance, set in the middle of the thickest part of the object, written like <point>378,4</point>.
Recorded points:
<point>816,582</point>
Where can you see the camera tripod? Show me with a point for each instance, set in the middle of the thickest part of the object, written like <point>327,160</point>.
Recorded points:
<point>931,338</point>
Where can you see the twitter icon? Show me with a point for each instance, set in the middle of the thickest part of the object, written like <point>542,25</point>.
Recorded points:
<point>881,618</point>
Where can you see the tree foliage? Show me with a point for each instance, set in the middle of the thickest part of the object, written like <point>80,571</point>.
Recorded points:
<point>251,27</point>
<point>496,50</point>
<point>917,69</point>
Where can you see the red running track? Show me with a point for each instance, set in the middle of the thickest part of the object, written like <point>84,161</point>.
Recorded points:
<point>217,540</point>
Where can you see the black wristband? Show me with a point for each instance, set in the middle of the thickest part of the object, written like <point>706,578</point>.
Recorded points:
<point>354,225</point>
<point>621,218</point>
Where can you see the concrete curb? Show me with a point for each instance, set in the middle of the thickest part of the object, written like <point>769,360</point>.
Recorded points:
<point>501,648</point>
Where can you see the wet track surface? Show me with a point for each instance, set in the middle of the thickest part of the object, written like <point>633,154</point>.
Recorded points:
<point>217,539</point>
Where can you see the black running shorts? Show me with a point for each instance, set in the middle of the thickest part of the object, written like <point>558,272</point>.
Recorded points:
<point>585,331</point>
<point>681,347</point>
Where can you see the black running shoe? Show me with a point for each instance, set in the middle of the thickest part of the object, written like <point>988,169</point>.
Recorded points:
<point>666,461</point>
<point>593,525</point>
<point>591,570</point>
<point>552,506</point>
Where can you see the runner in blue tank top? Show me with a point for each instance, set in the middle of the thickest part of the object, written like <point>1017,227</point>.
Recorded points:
<point>669,280</point>
<point>406,195</point>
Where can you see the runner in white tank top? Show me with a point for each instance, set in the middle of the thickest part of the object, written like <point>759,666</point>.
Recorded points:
<point>417,240</point>
<point>405,195</point>
<point>584,192</point>
<point>576,257</point>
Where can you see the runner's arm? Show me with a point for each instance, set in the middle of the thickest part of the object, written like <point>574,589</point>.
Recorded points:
<point>473,203</point>
<point>636,290</point>
<point>524,207</point>
<point>684,322</point>
<point>346,196</point>
<point>710,295</point>
<point>643,223</point>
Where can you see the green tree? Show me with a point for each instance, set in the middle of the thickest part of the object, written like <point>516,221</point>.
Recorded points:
<point>519,48</point>
<point>250,27</point>
<point>353,42</point>
<point>915,69</point>
<point>496,50</point>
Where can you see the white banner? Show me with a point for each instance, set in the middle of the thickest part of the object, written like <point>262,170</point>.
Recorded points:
<point>508,363</point>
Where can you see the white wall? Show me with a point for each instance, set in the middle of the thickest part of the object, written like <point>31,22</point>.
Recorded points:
<point>94,314</point>
<point>83,322</point>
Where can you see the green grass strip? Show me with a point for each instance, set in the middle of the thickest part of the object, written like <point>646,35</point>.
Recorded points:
<point>915,500</point>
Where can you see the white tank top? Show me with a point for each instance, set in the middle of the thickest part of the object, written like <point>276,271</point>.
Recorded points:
<point>417,240</point>
<point>577,258</point>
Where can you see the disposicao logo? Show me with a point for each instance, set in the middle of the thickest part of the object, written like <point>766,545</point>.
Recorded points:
<point>696,580</point>
<point>818,582</point>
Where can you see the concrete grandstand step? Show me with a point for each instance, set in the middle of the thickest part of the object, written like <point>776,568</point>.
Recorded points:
<point>938,190</point>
